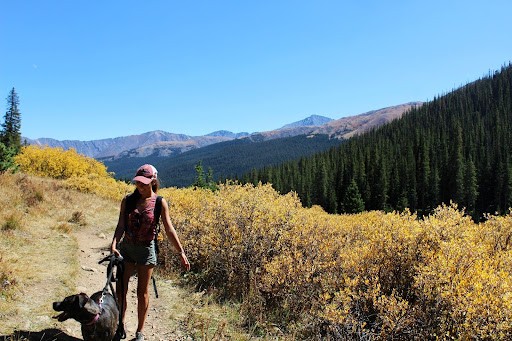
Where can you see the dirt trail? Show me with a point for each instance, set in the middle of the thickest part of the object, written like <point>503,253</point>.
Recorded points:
<point>166,313</point>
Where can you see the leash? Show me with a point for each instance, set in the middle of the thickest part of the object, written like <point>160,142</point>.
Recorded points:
<point>115,261</point>
<point>154,286</point>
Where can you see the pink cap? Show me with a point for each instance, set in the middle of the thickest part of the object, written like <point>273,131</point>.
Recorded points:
<point>145,174</point>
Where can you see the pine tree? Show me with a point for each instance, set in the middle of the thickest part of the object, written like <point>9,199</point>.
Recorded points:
<point>470,186</point>
<point>353,202</point>
<point>11,134</point>
<point>210,182</point>
<point>7,155</point>
<point>200,181</point>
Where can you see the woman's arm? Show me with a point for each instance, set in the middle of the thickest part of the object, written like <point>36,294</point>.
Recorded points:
<point>119,232</point>
<point>171,234</point>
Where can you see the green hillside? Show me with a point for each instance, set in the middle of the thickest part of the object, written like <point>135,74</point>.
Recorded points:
<point>455,148</point>
<point>226,159</point>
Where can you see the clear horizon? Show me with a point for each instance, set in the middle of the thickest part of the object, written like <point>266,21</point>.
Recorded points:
<point>95,70</point>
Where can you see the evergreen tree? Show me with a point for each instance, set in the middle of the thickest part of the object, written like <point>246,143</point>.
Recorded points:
<point>209,180</point>
<point>353,202</point>
<point>456,167</point>
<point>11,134</point>
<point>202,180</point>
<point>199,181</point>
<point>7,155</point>
<point>470,186</point>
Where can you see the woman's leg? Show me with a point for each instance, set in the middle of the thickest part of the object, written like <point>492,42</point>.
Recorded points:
<point>144,273</point>
<point>129,269</point>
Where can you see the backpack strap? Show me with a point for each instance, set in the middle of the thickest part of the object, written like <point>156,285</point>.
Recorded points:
<point>157,212</point>
<point>129,206</point>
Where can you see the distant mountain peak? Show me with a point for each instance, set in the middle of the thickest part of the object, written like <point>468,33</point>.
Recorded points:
<point>227,133</point>
<point>313,120</point>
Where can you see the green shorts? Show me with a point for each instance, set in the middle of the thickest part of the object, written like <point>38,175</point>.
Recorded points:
<point>140,254</point>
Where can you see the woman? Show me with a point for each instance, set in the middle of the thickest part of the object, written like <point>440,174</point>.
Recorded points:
<point>136,228</point>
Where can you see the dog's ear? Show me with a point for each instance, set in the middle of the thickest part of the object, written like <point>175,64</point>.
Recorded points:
<point>92,308</point>
<point>82,299</point>
<point>89,305</point>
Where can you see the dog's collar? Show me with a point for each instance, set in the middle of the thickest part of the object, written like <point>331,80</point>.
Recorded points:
<point>94,320</point>
<point>97,317</point>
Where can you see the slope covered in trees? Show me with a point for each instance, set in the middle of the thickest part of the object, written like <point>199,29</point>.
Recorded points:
<point>456,147</point>
<point>226,159</point>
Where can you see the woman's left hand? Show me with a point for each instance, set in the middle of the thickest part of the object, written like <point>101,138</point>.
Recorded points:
<point>184,261</point>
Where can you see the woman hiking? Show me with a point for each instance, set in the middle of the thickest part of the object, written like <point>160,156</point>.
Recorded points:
<point>134,239</point>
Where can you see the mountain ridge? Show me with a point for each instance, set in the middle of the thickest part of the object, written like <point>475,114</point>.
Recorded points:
<point>164,144</point>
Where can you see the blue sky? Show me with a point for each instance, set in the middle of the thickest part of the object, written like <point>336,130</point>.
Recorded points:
<point>87,70</point>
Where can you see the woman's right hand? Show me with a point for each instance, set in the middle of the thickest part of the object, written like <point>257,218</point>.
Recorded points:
<point>114,250</point>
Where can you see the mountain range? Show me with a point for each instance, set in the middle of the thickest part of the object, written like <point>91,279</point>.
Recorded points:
<point>228,154</point>
<point>162,144</point>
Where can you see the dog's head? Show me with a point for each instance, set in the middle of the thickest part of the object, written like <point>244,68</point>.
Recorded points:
<point>79,307</point>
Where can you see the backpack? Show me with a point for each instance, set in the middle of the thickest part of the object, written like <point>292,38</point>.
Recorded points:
<point>156,213</point>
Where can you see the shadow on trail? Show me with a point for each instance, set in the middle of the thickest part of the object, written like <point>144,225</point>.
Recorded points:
<point>43,335</point>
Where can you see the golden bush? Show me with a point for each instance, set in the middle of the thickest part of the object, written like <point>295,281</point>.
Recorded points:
<point>369,275</point>
<point>57,163</point>
<point>79,172</point>
<point>106,187</point>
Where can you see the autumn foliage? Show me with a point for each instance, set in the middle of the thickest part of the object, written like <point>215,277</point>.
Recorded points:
<point>313,275</point>
<point>79,172</point>
<point>371,275</point>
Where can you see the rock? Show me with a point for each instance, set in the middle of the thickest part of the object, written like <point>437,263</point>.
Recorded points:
<point>87,268</point>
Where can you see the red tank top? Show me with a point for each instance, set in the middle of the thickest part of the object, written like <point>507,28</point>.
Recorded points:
<point>141,225</point>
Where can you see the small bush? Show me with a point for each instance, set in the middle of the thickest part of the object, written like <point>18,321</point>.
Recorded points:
<point>31,191</point>
<point>33,198</point>
<point>64,227</point>
<point>13,222</point>
<point>78,218</point>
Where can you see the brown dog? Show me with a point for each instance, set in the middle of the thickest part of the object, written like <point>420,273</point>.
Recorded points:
<point>99,320</point>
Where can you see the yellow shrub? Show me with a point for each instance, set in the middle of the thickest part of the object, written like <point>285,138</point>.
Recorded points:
<point>229,233</point>
<point>466,278</point>
<point>79,172</point>
<point>57,163</point>
<point>371,275</point>
<point>105,187</point>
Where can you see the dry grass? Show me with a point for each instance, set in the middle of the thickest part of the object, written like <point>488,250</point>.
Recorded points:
<point>39,262</point>
<point>38,256</point>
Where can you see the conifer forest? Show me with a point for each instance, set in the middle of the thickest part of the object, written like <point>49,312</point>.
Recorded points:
<point>454,148</point>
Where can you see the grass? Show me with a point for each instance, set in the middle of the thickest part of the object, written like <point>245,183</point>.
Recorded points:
<point>39,261</point>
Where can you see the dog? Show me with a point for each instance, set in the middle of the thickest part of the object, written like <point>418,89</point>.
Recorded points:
<point>99,320</point>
